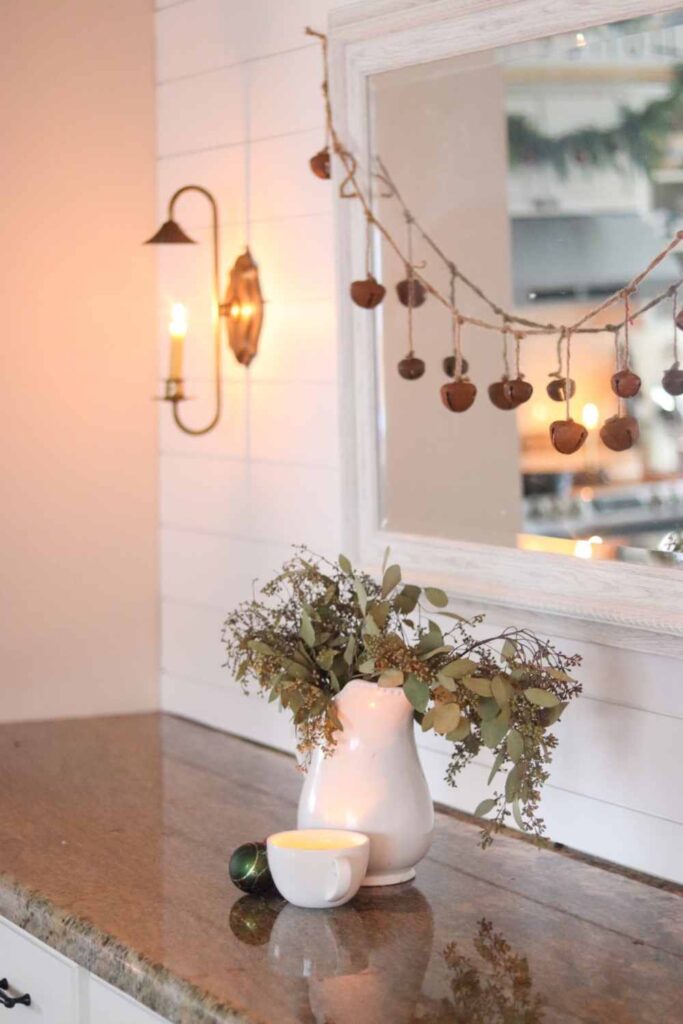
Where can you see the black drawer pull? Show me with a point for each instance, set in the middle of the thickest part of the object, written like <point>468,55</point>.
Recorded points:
<point>11,1001</point>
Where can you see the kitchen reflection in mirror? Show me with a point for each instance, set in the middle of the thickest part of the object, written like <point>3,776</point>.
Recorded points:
<point>550,173</point>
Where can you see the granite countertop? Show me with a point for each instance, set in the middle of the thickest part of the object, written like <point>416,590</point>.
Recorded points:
<point>115,835</point>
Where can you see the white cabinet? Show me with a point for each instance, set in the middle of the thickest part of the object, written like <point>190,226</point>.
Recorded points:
<point>107,1005</point>
<point>50,979</point>
<point>61,991</point>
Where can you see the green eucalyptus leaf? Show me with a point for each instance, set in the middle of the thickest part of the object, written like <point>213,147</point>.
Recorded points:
<point>391,579</point>
<point>367,667</point>
<point>307,631</point>
<point>334,682</point>
<point>498,760</point>
<point>515,745</point>
<point>296,670</point>
<point>387,552</point>
<point>446,718</point>
<point>406,600</point>
<point>260,647</point>
<point>487,708</point>
<point>562,677</point>
<point>391,677</point>
<point>517,815</point>
<point>370,626</point>
<point>463,729</point>
<point>509,651</point>
<point>361,594</point>
<point>549,716</point>
<point>428,720</point>
<point>417,692</point>
<point>432,654</point>
<point>500,688</point>
<point>459,668</point>
<point>482,687</point>
<point>326,658</point>
<point>345,565</point>
<point>350,651</point>
<point>436,597</point>
<point>380,612</point>
<point>448,684</point>
<point>493,730</point>
<point>512,784</point>
<point>431,640</point>
<point>484,807</point>
<point>541,698</point>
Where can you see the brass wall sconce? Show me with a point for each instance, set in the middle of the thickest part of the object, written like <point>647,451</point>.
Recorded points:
<point>242,309</point>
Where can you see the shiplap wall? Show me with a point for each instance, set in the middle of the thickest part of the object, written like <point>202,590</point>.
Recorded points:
<point>239,112</point>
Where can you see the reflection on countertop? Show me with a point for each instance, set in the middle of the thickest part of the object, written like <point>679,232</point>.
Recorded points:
<point>114,840</point>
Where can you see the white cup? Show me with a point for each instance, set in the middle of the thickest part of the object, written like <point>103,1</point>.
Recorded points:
<point>318,867</point>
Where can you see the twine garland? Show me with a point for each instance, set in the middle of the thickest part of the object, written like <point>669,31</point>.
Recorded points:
<point>350,189</point>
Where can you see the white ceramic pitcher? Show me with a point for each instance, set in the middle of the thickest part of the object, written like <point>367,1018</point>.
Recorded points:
<point>373,782</point>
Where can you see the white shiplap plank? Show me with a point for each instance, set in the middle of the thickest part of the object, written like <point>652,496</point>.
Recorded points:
<point>282,184</point>
<point>294,422</point>
<point>620,834</point>
<point>295,104</point>
<point>266,501</point>
<point>294,258</point>
<point>204,112</point>
<point>228,709</point>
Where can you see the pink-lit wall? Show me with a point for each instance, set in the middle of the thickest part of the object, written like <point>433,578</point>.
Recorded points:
<point>78,626</point>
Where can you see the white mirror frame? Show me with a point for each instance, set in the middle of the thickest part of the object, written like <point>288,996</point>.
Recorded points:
<point>639,607</point>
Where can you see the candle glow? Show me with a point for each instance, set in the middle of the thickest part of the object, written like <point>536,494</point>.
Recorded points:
<point>177,329</point>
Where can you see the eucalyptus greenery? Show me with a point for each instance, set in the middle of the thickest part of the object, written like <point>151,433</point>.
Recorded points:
<point>640,134</point>
<point>319,624</point>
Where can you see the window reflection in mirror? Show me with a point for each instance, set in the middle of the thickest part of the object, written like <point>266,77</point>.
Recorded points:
<point>551,173</point>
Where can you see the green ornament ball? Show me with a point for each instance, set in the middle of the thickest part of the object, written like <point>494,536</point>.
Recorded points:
<point>249,869</point>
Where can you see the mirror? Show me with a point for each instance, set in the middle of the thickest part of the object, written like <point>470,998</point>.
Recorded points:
<point>550,172</point>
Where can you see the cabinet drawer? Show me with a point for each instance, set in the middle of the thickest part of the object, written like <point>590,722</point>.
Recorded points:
<point>50,979</point>
<point>107,1005</point>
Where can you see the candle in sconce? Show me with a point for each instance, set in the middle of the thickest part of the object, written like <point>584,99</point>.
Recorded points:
<point>177,330</point>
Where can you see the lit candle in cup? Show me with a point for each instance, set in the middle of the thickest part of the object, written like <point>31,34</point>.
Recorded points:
<point>177,330</point>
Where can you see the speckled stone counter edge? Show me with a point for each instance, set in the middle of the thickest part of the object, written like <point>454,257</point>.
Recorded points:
<point>76,938</point>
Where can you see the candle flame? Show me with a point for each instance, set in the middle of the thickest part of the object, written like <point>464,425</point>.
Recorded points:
<point>178,323</point>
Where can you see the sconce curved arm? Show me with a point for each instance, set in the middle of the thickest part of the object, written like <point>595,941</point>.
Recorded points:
<point>215,297</point>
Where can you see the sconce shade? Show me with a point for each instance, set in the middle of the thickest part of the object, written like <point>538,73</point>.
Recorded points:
<point>242,308</point>
<point>170,233</point>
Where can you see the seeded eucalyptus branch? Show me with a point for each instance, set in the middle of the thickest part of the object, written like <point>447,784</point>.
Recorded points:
<point>319,624</point>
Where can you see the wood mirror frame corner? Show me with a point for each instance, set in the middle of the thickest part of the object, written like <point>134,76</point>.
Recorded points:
<point>638,607</point>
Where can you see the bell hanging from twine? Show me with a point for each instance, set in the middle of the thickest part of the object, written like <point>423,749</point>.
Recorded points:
<point>458,395</point>
<point>567,436</point>
<point>626,383</point>
<point>368,292</point>
<point>320,164</point>
<point>411,292</point>
<point>501,394</point>
<point>620,433</point>
<point>557,389</point>
<point>411,367</point>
